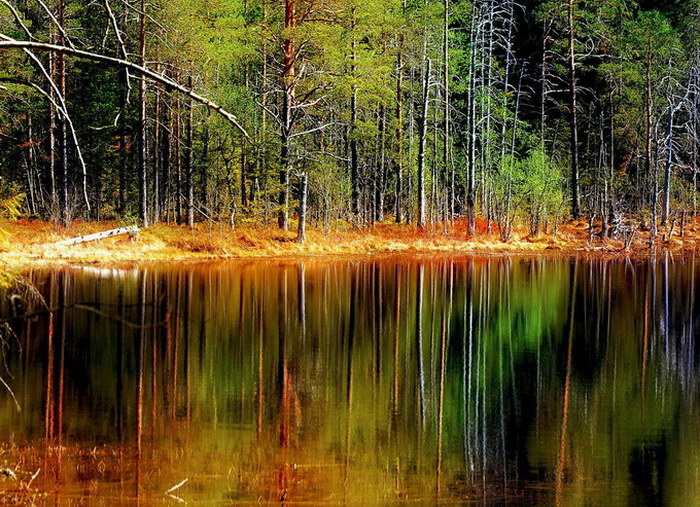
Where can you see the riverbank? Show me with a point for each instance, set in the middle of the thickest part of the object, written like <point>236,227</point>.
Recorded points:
<point>33,242</point>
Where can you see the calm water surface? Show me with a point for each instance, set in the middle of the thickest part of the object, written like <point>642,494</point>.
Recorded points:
<point>535,381</point>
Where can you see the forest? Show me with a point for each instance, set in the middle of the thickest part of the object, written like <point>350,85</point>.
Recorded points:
<point>365,252</point>
<point>283,113</point>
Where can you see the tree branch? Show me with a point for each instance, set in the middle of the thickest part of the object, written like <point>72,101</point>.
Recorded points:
<point>18,19</point>
<point>57,24</point>
<point>63,109</point>
<point>154,76</point>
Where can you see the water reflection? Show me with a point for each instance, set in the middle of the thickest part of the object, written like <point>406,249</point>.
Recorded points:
<point>537,380</point>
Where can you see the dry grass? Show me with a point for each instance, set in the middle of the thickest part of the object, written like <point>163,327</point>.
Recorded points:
<point>32,241</point>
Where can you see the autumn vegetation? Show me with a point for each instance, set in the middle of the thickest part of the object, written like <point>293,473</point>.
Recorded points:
<point>34,242</point>
<point>261,127</point>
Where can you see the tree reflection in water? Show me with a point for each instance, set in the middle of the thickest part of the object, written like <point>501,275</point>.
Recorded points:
<point>548,380</point>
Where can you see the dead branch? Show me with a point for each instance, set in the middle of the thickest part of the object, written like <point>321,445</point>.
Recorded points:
<point>57,24</point>
<point>7,43</point>
<point>18,18</point>
<point>64,111</point>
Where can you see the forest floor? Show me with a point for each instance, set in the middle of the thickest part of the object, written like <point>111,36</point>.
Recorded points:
<point>32,241</point>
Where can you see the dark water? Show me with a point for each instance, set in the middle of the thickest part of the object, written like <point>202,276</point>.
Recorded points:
<point>461,379</point>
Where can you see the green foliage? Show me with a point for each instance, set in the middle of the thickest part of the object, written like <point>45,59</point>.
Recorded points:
<point>531,187</point>
<point>11,206</point>
<point>356,79</point>
<point>11,202</point>
<point>542,186</point>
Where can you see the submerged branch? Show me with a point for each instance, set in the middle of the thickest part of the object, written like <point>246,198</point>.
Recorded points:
<point>89,307</point>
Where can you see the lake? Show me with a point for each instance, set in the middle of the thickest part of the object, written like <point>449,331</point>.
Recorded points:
<point>484,379</point>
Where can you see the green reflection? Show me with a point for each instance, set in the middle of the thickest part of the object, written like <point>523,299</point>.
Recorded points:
<point>540,380</point>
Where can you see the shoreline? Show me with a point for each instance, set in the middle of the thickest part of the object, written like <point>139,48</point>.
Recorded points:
<point>31,243</point>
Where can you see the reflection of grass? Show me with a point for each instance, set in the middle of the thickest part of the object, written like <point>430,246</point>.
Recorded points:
<point>18,289</point>
<point>17,485</point>
<point>22,296</point>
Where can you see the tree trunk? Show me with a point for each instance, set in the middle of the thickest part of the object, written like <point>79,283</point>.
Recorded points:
<point>544,85</point>
<point>32,191</point>
<point>399,134</point>
<point>244,177</point>
<point>423,135</point>
<point>666,210</point>
<point>470,197</point>
<point>123,155</point>
<point>354,167</point>
<point>649,104</point>
<point>573,116</point>
<point>165,133</point>
<point>63,129</point>
<point>156,150</point>
<point>203,170</point>
<point>262,147</point>
<point>52,136</point>
<point>143,148</point>
<point>446,89</point>
<point>289,87</point>
<point>188,159</point>
<point>303,190</point>
<point>610,210</point>
<point>381,169</point>
<point>177,137</point>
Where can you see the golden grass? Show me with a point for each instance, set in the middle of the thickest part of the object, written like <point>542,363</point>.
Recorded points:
<point>33,241</point>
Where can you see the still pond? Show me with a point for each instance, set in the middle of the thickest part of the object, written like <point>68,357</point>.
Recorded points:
<point>490,380</point>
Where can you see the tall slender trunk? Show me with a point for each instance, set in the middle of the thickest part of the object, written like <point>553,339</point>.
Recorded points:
<point>188,158</point>
<point>178,159</point>
<point>694,130</point>
<point>399,133</point>
<point>32,189</point>
<point>244,176</point>
<point>156,150</point>
<point>52,135</point>
<point>666,210</point>
<point>423,135</point>
<point>611,170</point>
<point>289,87</point>
<point>303,186</point>
<point>446,90</point>
<point>506,77</point>
<point>471,103</point>
<point>203,170</point>
<point>123,155</point>
<point>262,147</point>
<point>285,165</point>
<point>648,104</point>
<point>488,162</point>
<point>544,85</point>
<point>63,127</point>
<point>381,169</point>
<point>354,163</point>
<point>143,148</point>
<point>165,133</point>
<point>573,116</point>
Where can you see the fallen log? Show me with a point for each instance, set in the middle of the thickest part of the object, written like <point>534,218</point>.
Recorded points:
<point>132,231</point>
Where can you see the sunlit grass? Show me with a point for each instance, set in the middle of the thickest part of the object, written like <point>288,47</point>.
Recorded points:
<point>33,240</point>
